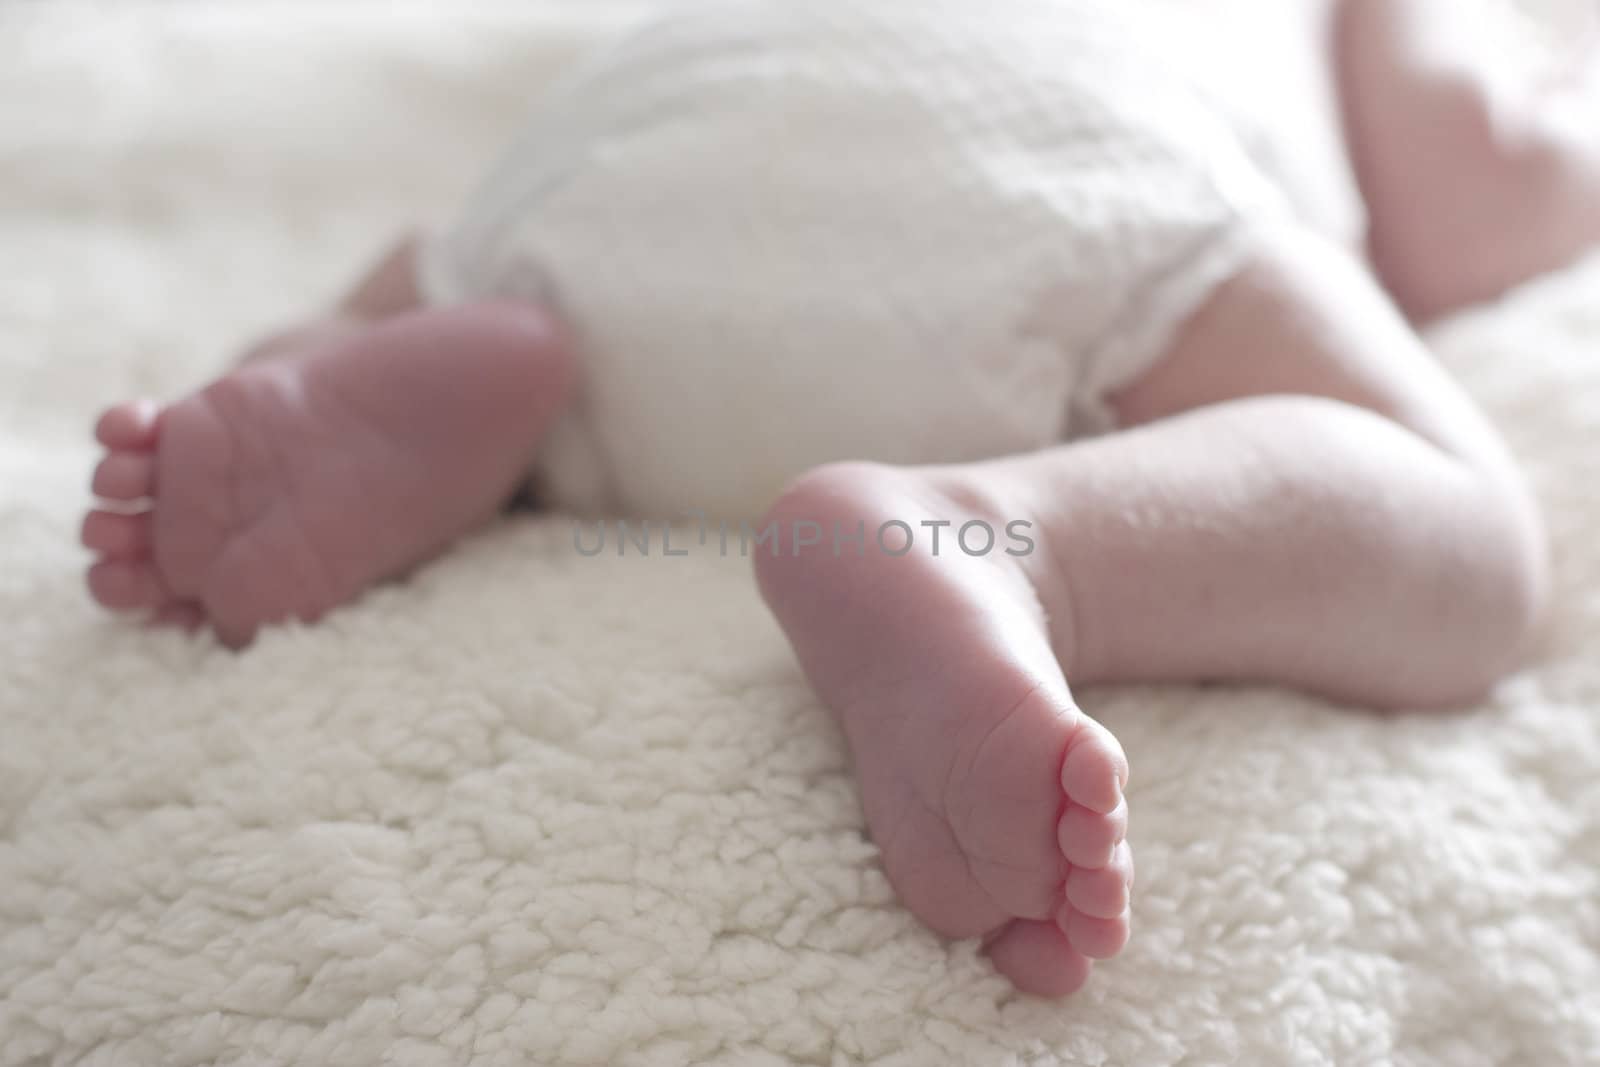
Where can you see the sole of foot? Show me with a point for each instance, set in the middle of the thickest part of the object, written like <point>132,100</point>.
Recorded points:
<point>288,486</point>
<point>996,803</point>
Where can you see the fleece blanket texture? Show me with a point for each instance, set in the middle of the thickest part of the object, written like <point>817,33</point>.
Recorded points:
<point>529,807</point>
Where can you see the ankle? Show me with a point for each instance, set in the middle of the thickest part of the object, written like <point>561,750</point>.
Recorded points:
<point>984,492</point>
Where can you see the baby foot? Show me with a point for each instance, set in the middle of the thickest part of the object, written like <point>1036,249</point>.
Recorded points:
<point>288,486</point>
<point>996,803</point>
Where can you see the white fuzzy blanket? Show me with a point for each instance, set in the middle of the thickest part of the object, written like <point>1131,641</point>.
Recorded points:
<point>534,808</point>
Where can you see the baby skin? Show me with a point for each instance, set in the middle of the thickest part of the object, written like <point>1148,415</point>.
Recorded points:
<point>1297,495</point>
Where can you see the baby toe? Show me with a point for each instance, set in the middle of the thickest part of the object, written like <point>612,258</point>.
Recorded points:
<point>128,427</point>
<point>1087,838</point>
<point>115,536</point>
<point>1095,770</point>
<point>125,476</point>
<point>120,585</point>
<point>1102,893</point>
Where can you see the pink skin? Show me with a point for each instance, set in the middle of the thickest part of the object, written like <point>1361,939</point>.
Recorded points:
<point>1404,567</point>
<point>986,787</point>
<point>286,487</point>
<point>1476,177</point>
<point>349,450</point>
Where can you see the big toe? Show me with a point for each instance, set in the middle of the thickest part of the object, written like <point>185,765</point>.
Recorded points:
<point>1039,958</point>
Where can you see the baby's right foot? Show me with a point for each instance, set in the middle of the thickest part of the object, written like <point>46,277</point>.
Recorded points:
<point>997,804</point>
<point>290,485</point>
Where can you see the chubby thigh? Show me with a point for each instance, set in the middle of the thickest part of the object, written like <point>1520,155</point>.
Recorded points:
<point>915,233</point>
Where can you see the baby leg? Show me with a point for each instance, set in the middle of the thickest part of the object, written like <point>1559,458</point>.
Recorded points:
<point>1304,499</point>
<point>388,288</point>
<point>288,485</point>
<point>1476,178</point>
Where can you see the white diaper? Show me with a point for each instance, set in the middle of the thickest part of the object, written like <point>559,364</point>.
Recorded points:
<point>905,230</point>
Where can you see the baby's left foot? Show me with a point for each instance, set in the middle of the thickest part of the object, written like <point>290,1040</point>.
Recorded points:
<point>289,485</point>
<point>997,804</point>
